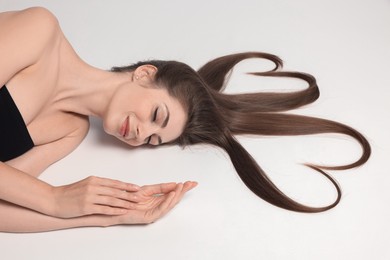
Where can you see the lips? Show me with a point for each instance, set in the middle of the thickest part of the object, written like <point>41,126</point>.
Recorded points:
<point>125,128</point>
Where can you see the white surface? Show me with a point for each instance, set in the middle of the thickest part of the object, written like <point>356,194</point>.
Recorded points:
<point>345,44</point>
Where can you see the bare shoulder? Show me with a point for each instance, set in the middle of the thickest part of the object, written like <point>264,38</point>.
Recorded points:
<point>24,36</point>
<point>31,17</point>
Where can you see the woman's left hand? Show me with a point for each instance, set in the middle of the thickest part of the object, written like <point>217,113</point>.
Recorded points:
<point>157,200</point>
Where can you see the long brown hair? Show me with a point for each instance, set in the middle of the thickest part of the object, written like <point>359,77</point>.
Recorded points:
<point>214,118</point>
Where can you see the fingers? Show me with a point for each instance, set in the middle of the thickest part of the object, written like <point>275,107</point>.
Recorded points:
<point>169,202</point>
<point>180,191</point>
<point>189,185</point>
<point>163,188</point>
<point>118,198</point>
<point>114,184</point>
<point>175,197</point>
<point>111,197</point>
<point>112,201</point>
<point>120,194</point>
<point>157,206</point>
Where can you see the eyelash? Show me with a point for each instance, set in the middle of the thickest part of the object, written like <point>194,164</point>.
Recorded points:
<point>155,115</point>
<point>153,119</point>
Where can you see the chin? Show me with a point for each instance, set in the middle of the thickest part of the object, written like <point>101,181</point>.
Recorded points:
<point>108,129</point>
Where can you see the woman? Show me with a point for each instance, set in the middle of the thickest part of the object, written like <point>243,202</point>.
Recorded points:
<point>50,85</point>
<point>154,102</point>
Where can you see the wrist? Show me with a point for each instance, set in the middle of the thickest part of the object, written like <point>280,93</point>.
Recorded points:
<point>108,221</point>
<point>50,205</point>
<point>45,203</point>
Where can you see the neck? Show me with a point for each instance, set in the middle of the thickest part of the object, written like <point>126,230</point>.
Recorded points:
<point>87,90</point>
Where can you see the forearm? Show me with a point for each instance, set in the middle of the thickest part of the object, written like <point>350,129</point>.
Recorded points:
<point>22,189</point>
<point>17,219</point>
<point>14,218</point>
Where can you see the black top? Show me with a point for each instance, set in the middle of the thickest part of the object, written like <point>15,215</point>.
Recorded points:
<point>15,139</point>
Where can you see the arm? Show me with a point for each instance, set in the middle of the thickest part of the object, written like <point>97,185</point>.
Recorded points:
<point>90,202</point>
<point>14,218</point>
<point>90,196</point>
<point>160,199</point>
<point>22,189</point>
<point>30,205</point>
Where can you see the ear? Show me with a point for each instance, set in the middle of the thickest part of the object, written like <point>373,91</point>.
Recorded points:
<point>144,72</point>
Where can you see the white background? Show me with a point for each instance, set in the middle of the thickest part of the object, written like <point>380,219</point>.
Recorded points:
<point>344,43</point>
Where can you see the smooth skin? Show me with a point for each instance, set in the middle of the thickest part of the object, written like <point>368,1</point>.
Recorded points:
<point>53,87</point>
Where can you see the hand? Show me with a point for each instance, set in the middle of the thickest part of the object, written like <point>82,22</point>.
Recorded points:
<point>157,200</point>
<point>95,195</point>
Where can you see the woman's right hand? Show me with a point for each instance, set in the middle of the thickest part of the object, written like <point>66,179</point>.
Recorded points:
<point>95,195</point>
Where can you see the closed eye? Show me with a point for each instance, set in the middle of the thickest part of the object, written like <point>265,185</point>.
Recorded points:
<point>154,118</point>
<point>155,115</point>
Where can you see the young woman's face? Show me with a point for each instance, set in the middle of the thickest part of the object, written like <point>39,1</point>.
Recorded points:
<point>141,115</point>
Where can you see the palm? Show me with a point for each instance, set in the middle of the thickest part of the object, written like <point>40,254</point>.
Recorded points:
<point>157,200</point>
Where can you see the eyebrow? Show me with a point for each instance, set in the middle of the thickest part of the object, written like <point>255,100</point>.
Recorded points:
<point>164,124</point>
